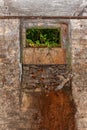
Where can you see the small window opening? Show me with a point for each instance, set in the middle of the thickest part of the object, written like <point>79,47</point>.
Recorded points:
<point>37,37</point>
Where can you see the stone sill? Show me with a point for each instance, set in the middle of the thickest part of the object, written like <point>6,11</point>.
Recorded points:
<point>44,55</point>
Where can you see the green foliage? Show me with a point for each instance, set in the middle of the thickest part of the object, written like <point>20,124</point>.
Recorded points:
<point>43,37</point>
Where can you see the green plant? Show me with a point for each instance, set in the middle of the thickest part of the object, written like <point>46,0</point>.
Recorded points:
<point>43,37</point>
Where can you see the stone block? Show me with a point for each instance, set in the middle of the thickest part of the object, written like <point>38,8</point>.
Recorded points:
<point>44,56</point>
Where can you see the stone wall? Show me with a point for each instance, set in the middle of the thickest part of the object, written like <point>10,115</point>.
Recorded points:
<point>9,74</point>
<point>60,55</point>
<point>10,102</point>
<point>78,42</point>
<point>39,7</point>
<point>36,8</point>
<point>44,77</point>
<point>41,103</point>
<point>44,56</point>
<point>79,68</point>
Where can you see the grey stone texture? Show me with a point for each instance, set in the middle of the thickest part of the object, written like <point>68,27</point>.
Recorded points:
<point>41,7</point>
<point>36,7</point>
<point>9,73</point>
<point>78,41</point>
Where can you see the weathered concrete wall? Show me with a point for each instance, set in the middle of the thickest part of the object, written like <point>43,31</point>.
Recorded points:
<point>40,7</point>
<point>9,74</point>
<point>79,68</point>
<point>44,8</point>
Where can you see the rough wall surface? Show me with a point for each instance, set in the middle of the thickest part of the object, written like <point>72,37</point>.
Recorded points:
<point>44,56</point>
<point>79,68</point>
<point>41,104</point>
<point>40,7</point>
<point>9,74</point>
<point>44,77</point>
<point>10,59</point>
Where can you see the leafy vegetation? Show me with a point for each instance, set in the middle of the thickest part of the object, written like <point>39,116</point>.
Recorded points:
<point>43,37</point>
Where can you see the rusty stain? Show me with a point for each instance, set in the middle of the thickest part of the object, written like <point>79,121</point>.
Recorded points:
<point>57,110</point>
<point>43,17</point>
